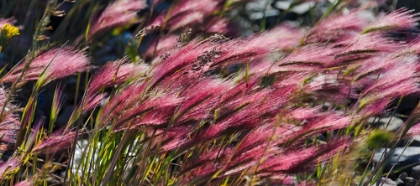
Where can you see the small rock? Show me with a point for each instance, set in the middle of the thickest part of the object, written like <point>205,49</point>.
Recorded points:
<point>259,9</point>
<point>386,182</point>
<point>415,172</point>
<point>409,181</point>
<point>413,141</point>
<point>400,182</point>
<point>401,157</point>
<point>387,123</point>
<point>299,9</point>
<point>403,175</point>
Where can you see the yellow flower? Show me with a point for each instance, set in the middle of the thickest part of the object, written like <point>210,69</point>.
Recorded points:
<point>9,31</point>
<point>6,33</point>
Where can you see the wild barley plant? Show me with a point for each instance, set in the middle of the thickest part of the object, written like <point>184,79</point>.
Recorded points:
<point>185,118</point>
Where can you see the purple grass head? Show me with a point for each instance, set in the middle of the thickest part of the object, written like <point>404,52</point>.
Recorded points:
<point>9,123</point>
<point>8,21</point>
<point>119,13</point>
<point>11,165</point>
<point>401,19</point>
<point>186,13</point>
<point>57,63</point>
<point>26,183</point>
<point>336,26</point>
<point>280,38</point>
<point>114,73</point>
<point>57,142</point>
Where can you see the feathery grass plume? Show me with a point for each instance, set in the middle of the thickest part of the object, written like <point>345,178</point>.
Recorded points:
<point>400,80</point>
<point>194,18</point>
<point>219,26</point>
<point>119,13</point>
<point>413,46</point>
<point>155,2</point>
<point>246,114</point>
<point>306,122</point>
<point>327,122</point>
<point>114,73</point>
<point>249,152</point>
<point>223,101</point>
<point>197,69</point>
<point>77,61</point>
<point>259,137</point>
<point>259,159</point>
<point>9,167</point>
<point>291,79</point>
<point>375,108</point>
<point>208,55</point>
<point>92,102</point>
<point>57,104</point>
<point>365,71</point>
<point>87,105</point>
<point>335,27</point>
<point>414,130</point>
<point>193,103</point>
<point>194,6</point>
<point>327,87</point>
<point>9,127</point>
<point>57,142</point>
<point>282,37</point>
<point>208,165</point>
<point>391,78</point>
<point>284,179</point>
<point>153,119</point>
<point>303,113</point>
<point>31,137</point>
<point>310,57</point>
<point>366,45</point>
<point>220,162</point>
<point>200,98</point>
<point>111,74</point>
<point>183,140</point>
<point>293,161</point>
<point>185,13</point>
<point>401,19</point>
<point>256,69</point>
<point>9,123</point>
<point>250,96</point>
<point>128,98</point>
<point>51,64</point>
<point>159,103</point>
<point>26,183</point>
<point>164,44</point>
<point>172,67</point>
<point>298,67</point>
<point>173,137</point>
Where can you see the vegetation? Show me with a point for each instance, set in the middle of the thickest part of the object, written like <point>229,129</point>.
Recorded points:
<point>192,101</point>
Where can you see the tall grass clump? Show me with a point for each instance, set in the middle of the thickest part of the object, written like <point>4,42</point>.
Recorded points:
<point>190,100</point>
